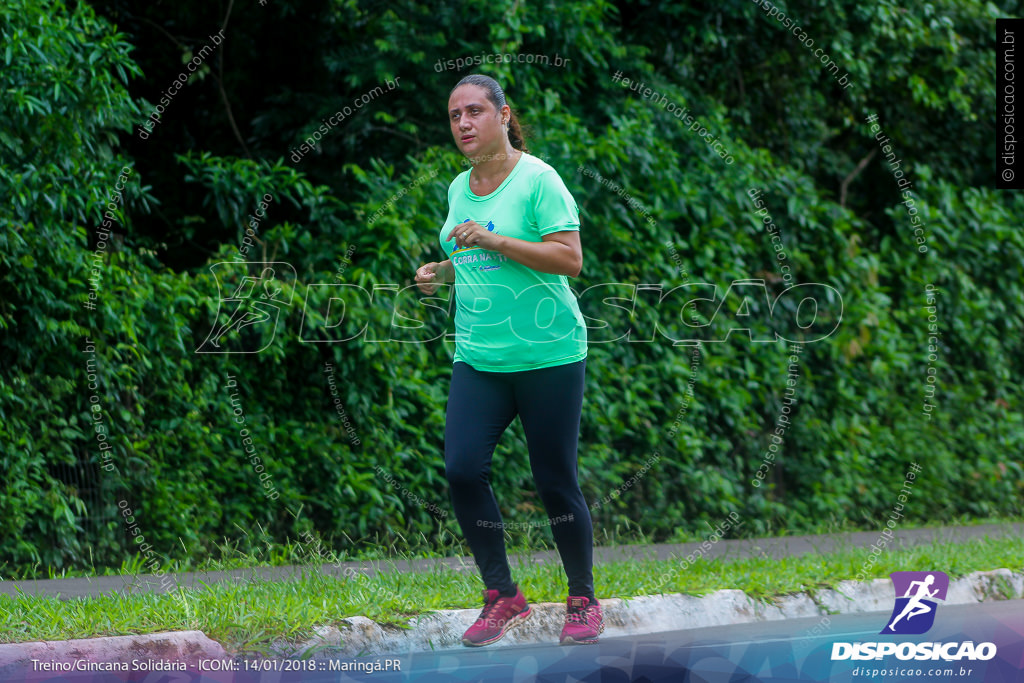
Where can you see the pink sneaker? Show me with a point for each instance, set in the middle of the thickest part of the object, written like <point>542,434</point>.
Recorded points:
<point>583,621</point>
<point>498,616</point>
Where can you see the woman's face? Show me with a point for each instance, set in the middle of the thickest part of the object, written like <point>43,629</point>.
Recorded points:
<point>476,123</point>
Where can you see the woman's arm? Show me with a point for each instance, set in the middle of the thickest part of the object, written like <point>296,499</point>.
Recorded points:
<point>445,271</point>
<point>559,253</point>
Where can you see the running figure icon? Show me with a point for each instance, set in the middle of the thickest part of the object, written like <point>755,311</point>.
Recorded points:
<point>250,311</point>
<point>914,606</point>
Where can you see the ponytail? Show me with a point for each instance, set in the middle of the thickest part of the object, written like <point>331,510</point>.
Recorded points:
<point>515,133</point>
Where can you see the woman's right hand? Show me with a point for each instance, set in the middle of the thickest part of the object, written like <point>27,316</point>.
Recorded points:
<point>429,277</point>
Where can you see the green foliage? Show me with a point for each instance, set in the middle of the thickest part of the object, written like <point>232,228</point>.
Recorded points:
<point>64,81</point>
<point>658,205</point>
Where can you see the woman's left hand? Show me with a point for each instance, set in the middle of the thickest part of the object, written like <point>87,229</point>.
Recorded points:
<point>472,234</point>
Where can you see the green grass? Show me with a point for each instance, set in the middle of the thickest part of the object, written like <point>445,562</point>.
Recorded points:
<point>250,615</point>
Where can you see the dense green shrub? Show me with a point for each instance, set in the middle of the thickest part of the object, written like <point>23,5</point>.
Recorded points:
<point>672,438</point>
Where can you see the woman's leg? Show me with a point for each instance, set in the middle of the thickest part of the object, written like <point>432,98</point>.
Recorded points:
<point>481,406</point>
<point>550,402</point>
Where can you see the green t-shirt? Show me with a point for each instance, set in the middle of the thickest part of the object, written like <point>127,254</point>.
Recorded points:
<point>510,317</point>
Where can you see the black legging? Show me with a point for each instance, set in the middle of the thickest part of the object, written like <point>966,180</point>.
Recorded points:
<point>549,401</point>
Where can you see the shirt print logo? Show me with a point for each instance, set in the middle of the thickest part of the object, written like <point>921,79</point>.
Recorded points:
<point>477,261</point>
<point>914,611</point>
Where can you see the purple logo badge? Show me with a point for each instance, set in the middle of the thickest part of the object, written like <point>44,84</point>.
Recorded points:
<point>916,595</point>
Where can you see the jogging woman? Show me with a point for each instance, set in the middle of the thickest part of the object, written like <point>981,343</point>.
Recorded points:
<point>512,238</point>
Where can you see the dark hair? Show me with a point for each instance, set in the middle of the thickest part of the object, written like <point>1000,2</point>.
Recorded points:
<point>497,97</point>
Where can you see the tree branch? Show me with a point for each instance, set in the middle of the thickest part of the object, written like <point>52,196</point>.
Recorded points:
<point>223,92</point>
<point>848,179</point>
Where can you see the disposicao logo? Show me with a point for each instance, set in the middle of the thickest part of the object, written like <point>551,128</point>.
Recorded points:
<point>914,614</point>
<point>916,592</point>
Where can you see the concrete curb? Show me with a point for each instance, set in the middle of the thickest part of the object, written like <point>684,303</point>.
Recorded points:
<point>639,616</point>
<point>187,647</point>
<point>642,615</point>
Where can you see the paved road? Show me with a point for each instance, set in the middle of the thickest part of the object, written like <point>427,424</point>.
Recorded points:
<point>766,547</point>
